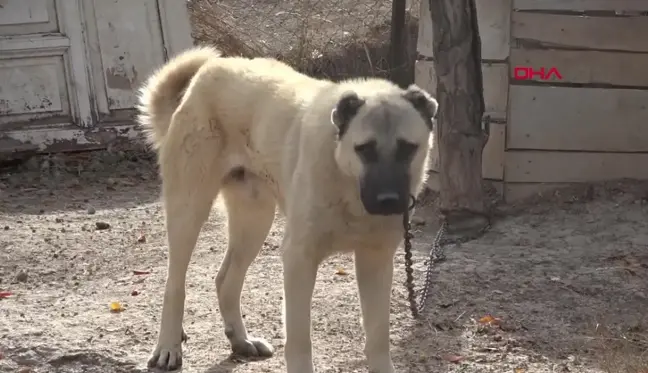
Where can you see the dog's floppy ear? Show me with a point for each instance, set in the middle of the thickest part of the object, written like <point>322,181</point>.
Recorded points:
<point>346,108</point>
<point>423,102</point>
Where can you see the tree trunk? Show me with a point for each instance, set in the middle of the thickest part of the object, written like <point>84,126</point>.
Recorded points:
<point>457,61</point>
<point>397,45</point>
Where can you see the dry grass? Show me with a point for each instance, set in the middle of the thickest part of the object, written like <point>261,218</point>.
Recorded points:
<point>331,39</point>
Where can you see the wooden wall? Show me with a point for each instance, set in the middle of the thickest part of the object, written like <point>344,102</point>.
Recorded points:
<point>590,126</point>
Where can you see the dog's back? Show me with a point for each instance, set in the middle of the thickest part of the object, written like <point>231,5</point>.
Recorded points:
<point>256,98</point>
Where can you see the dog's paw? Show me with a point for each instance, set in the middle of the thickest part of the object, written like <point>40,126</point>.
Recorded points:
<point>167,356</point>
<point>252,347</point>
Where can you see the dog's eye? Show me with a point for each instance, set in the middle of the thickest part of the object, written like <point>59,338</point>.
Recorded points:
<point>367,151</point>
<point>405,150</point>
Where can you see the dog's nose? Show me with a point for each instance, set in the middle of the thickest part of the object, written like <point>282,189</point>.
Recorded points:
<point>388,200</point>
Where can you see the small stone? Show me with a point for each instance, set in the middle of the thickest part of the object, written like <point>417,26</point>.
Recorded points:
<point>6,227</point>
<point>91,210</point>
<point>22,276</point>
<point>100,225</point>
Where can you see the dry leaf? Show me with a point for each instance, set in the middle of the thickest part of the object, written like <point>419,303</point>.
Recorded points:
<point>116,307</point>
<point>5,294</point>
<point>341,272</point>
<point>138,273</point>
<point>453,358</point>
<point>488,319</point>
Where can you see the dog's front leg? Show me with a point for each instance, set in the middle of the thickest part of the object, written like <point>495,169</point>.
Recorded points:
<point>300,272</point>
<point>374,272</point>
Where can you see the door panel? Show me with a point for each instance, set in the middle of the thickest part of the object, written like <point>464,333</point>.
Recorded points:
<point>20,17</point>
<point>42,91</point>
<point>126,45</point>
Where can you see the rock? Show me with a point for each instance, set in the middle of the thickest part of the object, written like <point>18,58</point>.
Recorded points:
<point>100,225</point>
<point>22,276</point>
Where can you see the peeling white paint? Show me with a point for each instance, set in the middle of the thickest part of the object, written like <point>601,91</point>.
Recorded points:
<point>47,138</point>
<point>80,62</point>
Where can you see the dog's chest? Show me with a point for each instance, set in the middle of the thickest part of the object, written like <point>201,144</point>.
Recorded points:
<point>369,232</point>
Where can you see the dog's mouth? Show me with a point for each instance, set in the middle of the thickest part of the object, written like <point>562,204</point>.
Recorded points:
<point>385,203</point>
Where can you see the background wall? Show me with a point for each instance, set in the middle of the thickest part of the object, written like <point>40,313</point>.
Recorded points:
<point>590,126</point>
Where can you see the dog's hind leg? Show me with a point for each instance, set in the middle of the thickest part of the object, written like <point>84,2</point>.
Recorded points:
<point>250,211</point>
<point>191,179</point>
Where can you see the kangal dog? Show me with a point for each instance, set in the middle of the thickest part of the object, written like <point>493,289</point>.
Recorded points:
<point>340,160</point>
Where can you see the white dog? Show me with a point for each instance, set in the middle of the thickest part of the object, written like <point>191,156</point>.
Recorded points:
<point>340,160</point>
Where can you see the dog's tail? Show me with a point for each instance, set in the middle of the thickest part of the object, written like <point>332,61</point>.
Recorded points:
<point>161,94</point>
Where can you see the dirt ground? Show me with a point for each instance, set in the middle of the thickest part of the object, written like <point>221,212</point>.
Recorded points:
<point>566,276</point>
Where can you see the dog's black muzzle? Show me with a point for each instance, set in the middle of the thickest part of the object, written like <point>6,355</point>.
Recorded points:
<point>384,189</point>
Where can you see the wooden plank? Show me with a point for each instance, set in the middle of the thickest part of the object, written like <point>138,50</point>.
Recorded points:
<point>176,27</point>
<point>494,28</point>
<point>33,88</point>
<point>50,44</point>
<point>573,167</point>
<point>589,119</point>
<point>129,46</point>
<point>492,157</point>
<point>581,5</point>
<point>68,138</point>
<point>72,25</point>
<point>28,17</point>
<point>586,67</point>
<point>495,76</point>
<point>601,33</point>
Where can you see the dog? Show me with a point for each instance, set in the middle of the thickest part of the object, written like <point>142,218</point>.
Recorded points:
<point>340,160</point>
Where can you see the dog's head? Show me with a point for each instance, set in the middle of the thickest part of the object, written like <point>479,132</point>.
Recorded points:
<point>383,142</point>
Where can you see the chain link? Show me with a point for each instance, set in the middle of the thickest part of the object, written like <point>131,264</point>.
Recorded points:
<point>436,255</point>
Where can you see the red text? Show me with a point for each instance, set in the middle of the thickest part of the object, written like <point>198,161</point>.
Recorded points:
<point>529,73</point>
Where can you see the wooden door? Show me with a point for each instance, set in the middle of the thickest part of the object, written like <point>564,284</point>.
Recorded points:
<point>127,40</point>
<point>42,69</point>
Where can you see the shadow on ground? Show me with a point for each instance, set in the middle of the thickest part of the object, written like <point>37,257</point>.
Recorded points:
<point>568,284</point>
<point>89,181</point>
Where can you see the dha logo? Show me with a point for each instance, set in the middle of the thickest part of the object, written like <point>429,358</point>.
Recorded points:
<point>529,73</point>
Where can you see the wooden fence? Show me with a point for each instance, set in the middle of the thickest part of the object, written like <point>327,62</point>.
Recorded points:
<point>588,124</point>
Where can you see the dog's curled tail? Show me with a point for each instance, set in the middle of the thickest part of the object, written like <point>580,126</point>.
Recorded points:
<point>162,92</point>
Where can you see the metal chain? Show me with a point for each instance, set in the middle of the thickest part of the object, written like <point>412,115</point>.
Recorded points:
<point>435,256</point>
